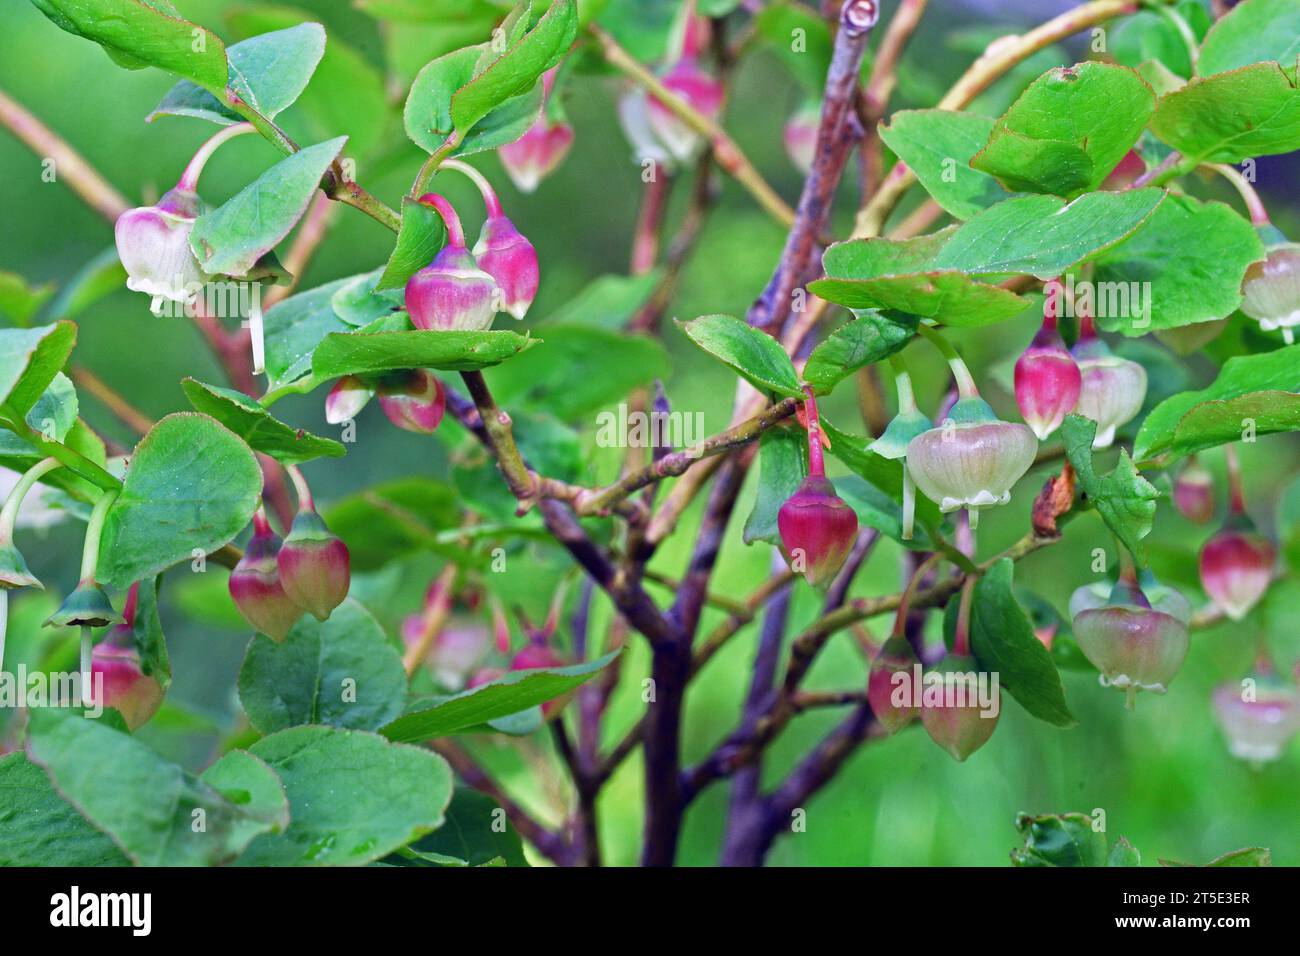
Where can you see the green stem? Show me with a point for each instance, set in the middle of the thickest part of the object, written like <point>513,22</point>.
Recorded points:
<point>433,164</point>
<point>87,649</point>
<point>909,593</point>
<point>94,529</point>
<point>965,381</point>
<point>903,384</point>
<point>9,513</point>
<point>4,624</point>
<point>73,460</point>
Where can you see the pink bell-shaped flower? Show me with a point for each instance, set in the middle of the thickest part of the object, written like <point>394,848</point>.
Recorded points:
<point>536,154</point>
<point>1194,492</point>
<point>1047,379</point>
<point>1237,562</point>
<point>313,563</point>
<point>115,668</point>
<point>413,400</point>
<point>817,528</point>
<point>451,292</point>
<point>255,584</point>
<point>1259,715</point>
<point>1112,389</point>
<point>1134,646</point>
<point>1271,291</point>
<point>346,399</point>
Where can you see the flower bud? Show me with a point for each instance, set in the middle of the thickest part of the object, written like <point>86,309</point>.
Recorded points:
<point>954,718</point>
<point>313,565</point>
<point>1271,290</point>
<point>800,137</point>
<point>1134,646</point>
<point>255,585</point>
<point>704,93</point>
<point>456,651</point>
<point>1112,389</point>
<point>817,530</point>
<point>1237,568</point>
<point>510,259</point>
<point>1194,492</point>
<point>87,606</point>
<point>153,243</point>
<point>972,459</point>
<point>451,293</point>
<point>346,399</point>
<point>1047,382</point>
<point>126,688</point>
<point>413,400</point>
<point>14,572</point>
<point>892,711</point>
<point>1259,720</point>
<point>536,154</point>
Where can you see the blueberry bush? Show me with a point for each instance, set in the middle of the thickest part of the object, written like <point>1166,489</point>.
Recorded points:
<point>635,574</point>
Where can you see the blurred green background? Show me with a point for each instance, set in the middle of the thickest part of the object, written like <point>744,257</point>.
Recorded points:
<point>1162,775</point>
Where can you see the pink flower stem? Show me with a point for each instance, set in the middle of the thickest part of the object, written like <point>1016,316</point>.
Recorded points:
<point>961,637</point>
<point>189,180</point>
<point>485,189</point>
<point>301,489</point>
<point>1236,495</point>
<point>455,232</point>
<point>816,463</point>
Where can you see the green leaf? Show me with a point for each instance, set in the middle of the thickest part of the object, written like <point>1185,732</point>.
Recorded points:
<point>346,91</point>
<point>137,34</point>
<point>342,672</point>
<point>475,833</point>
<point>393,519</point>
<point>1066,839</point>
<point>509,694</point>
<point>428,113</point>
<point>1146,38</point>
<point>191,485</point>
<point>782,465</point>
<point>519,68</point>
<point>353,797</point>
<point>578,370</point>
<point>39,828</point>
<point>250,784</point>
<point>1188,259</point>
<point>1252,392</point>
<point>148,806</point>
<point>1125,500</point>
<point>231,238</point>
<point>372,353</point>
<point>1044,235</point>
<point>754,355</point>
<point>294,328</point>
<point>1069,129</point>
<point>1124,853</point>
<point>147,633</point>
<point>1228,117</point>
<point>938,146</point>
<point>1004,643</point>
<point>608,302</point>
<point>267,72</point>
<point>421,236</point>
<point>361,302</point>
<point>256,426</point>
<point>900,275</point>
<point>29,360</point>
<point>1251,32</point>
<point>1247,856</point>
<point>854,345</point>
<point>19,302</point>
